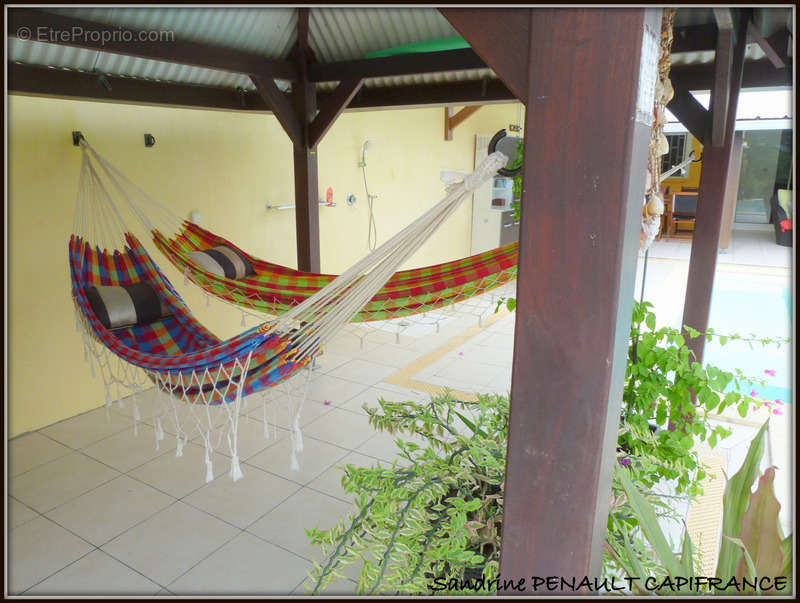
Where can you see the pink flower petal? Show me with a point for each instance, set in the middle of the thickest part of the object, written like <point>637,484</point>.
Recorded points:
<point>327,403</point>
<point>753,393</point>
<point>461,353</point>
<point>777,411</point>
<point>770,372</point>
<point>779,401</point>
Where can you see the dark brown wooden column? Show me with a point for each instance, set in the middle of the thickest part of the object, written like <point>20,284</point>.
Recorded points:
<point>306,184</point>
<point>732,190</point>
<point>584,180</point>
<point>714,181</point>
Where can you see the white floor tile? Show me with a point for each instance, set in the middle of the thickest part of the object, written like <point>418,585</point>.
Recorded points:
<point>371,396</point>
<point>391,355</point>
<point>285,525</point>
<point>364,371</point>
<point>279,415</point>
<point>58,481</point>
<point>335,389</point>
<point>96,574</point>
<point>145,404</point>
<point>313,460</point>
<point>382,446</point>
<point>31,450</point>
<point>242,502</point>
<point>179,476</point>
<point>341,428</point>
<point>251,438</point>
<point>38,549</point>
<point>85,429</point>
<point>19,513</point>
<point>128,449</point>
<point>330,482</point>
<point>107,511</point>
<point>244,566</point>
<point>338,587</point>
<point>171,542</point>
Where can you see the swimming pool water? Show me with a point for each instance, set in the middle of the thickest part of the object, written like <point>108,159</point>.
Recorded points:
<point>759,304</point>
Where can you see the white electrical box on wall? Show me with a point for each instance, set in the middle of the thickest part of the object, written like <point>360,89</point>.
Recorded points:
<point>502,193</point>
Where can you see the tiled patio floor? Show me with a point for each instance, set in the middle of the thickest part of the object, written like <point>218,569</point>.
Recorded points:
<point>96,509</point>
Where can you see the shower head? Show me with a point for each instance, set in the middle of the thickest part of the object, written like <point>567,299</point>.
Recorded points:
<point>367,144</point>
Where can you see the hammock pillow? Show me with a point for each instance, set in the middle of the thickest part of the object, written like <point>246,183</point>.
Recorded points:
<point>222,261</point>
<point>126,306</point>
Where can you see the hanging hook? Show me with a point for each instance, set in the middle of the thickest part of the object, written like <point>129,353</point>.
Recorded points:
<point>77,136</point>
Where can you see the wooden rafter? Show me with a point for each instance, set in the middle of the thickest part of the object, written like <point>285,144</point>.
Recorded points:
<point>43,81</point>
<point>452,121</point>
<point>280,105</point>
<point>723,64</point>
<point>331,108</point>
<point>506,24</point>
<point>42,25</point>
<point>757,74</point>
<point>689,111</point>
<point>777,53</point>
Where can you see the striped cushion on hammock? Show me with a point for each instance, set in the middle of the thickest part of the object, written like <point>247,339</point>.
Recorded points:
<point>223,260</point>
<point>126,306</point>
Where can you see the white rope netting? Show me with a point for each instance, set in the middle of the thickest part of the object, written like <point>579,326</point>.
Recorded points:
<point>189,400</point>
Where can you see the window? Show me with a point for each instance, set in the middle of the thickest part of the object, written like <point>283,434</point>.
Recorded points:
<point>679,147</point>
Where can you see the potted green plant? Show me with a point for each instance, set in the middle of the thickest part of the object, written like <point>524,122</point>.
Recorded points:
<point>436,516</point>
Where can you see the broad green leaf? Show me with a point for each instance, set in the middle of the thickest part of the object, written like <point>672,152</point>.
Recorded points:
<point>687,554</point>
<point>649,523</point>
<point>751,568</point>
<point>759,531</point>
<point>734,505</point>
<point>786,547</point>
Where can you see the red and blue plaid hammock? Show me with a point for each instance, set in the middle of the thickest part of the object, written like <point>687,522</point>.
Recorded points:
<point>177,348</point>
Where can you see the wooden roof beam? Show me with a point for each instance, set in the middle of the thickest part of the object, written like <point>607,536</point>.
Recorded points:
<point>330,109</point>
<point>723,64</point>
<point>689,112</point>
<point>57,29</point>
<point>43,81</point>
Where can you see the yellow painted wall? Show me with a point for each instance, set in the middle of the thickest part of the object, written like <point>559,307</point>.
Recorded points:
<point>693,180</point>
<point>226,165</point>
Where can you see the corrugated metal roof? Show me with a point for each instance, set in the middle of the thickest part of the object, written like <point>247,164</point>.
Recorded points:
<point>81,59</point>
<point>752,52</point>
<point>340,34</point>
<point>269,32</point>
<point>335,34</point>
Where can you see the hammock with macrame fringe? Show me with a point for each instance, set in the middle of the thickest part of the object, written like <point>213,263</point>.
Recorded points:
<point>185,361</point>
<point>274,289</point>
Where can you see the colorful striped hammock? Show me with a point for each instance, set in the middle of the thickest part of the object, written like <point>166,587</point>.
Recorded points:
<point>178,347</point>
<point>274,289</point>
<point>185,360</point>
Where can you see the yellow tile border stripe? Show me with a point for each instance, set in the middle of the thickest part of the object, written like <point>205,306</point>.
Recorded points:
<point>403,377</point>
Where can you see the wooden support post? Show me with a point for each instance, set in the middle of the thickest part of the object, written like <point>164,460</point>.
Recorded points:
<point>732,190</point>
<point>306,182</point>
<point>579,238</point>
<point>710,202</point>
<point>451,122</point>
